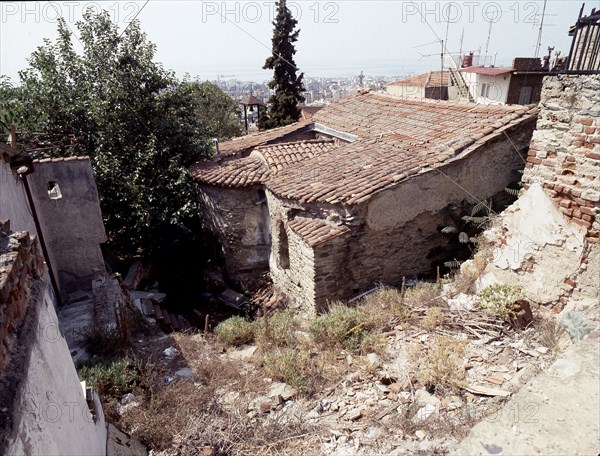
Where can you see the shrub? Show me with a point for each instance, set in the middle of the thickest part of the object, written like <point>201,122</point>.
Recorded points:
<point>442,367</point>
<point>344,326</point>
<point>274,331</point>
<point>423,294</point>
<point>499,300</point>
<point>434,317</point>
<point>392,300</point>
<point>235,331</point>
<point>290,366</point>
<point>113,378</point>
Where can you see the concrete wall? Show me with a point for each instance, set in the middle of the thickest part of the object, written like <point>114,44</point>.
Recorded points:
<point>499,87</point>
<point>72,225</point>
<point>240,220</point>
<point>43,409</point>
<point>417,92</point>
<point>13,199</point>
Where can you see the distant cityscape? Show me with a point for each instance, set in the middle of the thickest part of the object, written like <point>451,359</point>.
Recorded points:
<point>318,91</point>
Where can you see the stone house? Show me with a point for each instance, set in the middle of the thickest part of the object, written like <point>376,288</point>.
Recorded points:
<point>356,195</point>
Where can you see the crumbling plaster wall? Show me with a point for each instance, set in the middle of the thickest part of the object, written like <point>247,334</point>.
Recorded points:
<point>400,226</point>
<point>72,225</point>
<point>240,220</point>
<point>549,240</point>
<point>43,409</point>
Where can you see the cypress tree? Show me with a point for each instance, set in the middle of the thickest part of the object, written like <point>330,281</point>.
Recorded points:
<point>283,104</point>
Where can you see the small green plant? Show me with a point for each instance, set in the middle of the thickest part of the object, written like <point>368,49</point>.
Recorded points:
<point>290,366</point>
<point>343,326</point>
<point>113,378</point>
<point>235,331</point>
<point>499,300</point>
<point>441,367</point>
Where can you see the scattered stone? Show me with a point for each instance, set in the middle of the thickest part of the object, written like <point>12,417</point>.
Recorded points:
<point>171,352</point>
<point>420,434</point>
<point>425,412</point>
<point>373,360</point>
<point>355,414</point>
<point>484,391</point>
<point>462,302</point>
<point>281,391</point>
<point>395,387</point>
<point>422,397</point>
<point>244,353</point>
<point>184,372</point>
<point>576,324</point>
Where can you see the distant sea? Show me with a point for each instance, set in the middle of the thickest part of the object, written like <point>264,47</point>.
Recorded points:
<point>322,70</point>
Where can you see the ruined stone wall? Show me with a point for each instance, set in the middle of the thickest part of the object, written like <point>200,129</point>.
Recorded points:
<point>314,276</point>
<point>564,156</point>
<point>72,225</point>
<point>43,408</point>
<point>240,220</point>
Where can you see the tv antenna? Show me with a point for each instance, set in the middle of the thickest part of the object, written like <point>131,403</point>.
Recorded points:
<point>539,40</point>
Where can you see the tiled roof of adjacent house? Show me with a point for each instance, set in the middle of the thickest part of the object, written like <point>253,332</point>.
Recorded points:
<point>61,159</point>
<point>248,142</point>
<point>259,165</point>
<point>429,79</point>
<point>315,231</point>
<point>396,138</point>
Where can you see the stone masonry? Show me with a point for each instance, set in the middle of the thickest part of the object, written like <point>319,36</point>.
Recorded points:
<point>564,155</point>
<point>21,263</point>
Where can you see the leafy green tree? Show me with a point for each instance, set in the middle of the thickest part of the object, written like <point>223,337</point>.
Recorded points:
<point>283,104</point>
<point>10,107</point>
<point>216,112</point>
<point>141,127</point>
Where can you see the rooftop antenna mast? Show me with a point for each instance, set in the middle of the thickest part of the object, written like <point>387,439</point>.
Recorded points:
<point>539,40</point>
<point>487,43</point>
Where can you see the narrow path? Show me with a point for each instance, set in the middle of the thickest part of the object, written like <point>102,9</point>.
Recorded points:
<point>556,413</point>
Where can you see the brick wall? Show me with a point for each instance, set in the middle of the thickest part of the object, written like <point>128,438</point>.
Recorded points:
<point>564,155</point>
<point>21,262</point>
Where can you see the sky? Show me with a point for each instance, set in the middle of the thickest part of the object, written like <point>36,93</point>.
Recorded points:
<point>231,39</point>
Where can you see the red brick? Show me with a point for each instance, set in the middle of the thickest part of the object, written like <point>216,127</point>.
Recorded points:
<point>587,218</point>
<point>594,234</point>
<point>567,212</point>
<point>582,223</point>
<point>593,155</point>
<point>534,161</point>
<point>565,203</point>
<point>589,130</point>
<point>570,158</point>
<point>587,210</point>
<point>588,121</point>
<point>531,152</point>
<point>595,139</point>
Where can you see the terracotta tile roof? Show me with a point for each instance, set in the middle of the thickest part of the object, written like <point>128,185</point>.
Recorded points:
<point>315,231</point>
<point>488,71</point>
<point>259,165</point>
<point>279,156</point>
<point>306,112</point>
<point>398,138</point>
<point>429,79</point>
<point>248,142</point>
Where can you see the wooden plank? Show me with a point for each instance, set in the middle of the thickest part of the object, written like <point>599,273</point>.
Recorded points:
<point>157,312</point>
<point>166,317</point>
<point>174,322</point>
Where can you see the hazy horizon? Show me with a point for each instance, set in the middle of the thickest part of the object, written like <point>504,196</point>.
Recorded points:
<point>337,39</point>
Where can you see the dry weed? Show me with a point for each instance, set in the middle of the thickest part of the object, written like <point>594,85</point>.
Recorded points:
<point>440,366</point>
<point>434,317</point>
<point>235,331</point>
<point>290,366</point>
<point>274,331</point>
<point>423,294</point>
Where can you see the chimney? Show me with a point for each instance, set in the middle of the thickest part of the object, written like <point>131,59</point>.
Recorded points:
<point>216,142</point>
<point>467,60</point>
